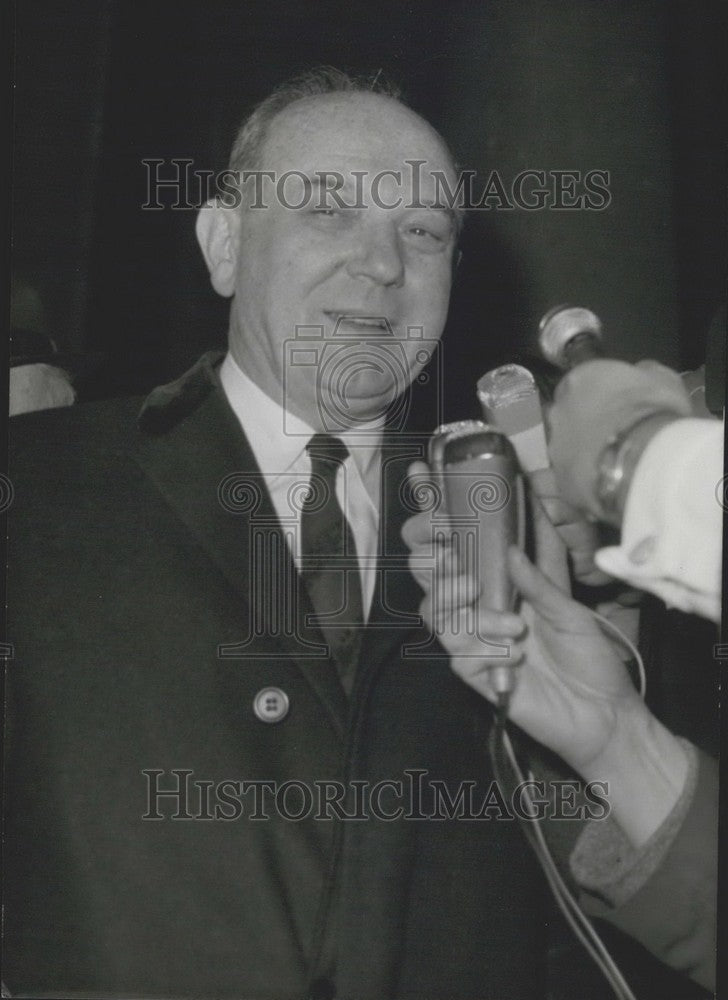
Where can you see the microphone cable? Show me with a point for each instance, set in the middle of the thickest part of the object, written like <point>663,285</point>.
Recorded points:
<point>581,926</point>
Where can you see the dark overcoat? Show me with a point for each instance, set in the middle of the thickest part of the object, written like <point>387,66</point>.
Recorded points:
<point>143,628</point>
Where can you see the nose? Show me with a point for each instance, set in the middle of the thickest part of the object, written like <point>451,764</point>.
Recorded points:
<point>377,254</point>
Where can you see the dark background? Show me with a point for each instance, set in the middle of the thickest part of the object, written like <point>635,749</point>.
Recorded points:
<point>635,88</point>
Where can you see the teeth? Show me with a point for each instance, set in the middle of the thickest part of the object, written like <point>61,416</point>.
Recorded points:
<point>380,324</point>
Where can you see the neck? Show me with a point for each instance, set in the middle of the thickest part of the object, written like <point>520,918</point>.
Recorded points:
<point>305,403</point>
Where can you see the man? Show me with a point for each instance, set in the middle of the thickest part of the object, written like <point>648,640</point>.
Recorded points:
<point>149,644</point>
<point>191,659</point>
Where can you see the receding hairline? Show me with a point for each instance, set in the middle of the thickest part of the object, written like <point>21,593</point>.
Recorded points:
<point>364,97</point>
<point>337,102</point>
<point>319,82</point>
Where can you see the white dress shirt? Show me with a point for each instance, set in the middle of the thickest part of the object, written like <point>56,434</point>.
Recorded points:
<point>278,439</point>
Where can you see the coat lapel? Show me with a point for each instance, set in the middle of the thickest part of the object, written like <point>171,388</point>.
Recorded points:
<point>193,449</point>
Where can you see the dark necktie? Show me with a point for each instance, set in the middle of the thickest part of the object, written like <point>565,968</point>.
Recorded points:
<point>328,558</point>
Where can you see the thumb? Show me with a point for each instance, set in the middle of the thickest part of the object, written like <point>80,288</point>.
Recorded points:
<point>419,470</point>
<point>550,547</point>
<point>542,594</point>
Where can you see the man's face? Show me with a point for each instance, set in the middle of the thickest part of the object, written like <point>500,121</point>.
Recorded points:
<point>334,308</point>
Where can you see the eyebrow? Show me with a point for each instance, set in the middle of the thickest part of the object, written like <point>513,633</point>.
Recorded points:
<point>316,184</point>
<point>345,183</point>
<point>434,206</point>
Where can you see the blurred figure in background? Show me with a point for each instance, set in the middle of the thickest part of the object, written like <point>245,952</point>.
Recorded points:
<point>42,377</point>
<point>36,382</point>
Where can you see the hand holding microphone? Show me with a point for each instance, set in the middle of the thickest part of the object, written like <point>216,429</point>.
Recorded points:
<point>570,689</point>
<point>470,597</point>
<point>604,412</point>
<point>625,451</point>
<point>596,406</point>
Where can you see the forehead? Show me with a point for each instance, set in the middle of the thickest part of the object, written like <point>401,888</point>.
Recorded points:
<point>354,130</point>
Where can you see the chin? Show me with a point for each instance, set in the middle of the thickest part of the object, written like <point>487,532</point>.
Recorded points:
<point>364,401</point>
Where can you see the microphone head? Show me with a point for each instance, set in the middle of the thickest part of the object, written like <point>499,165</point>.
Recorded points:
<point>463,440</point>
<point>504,386</point>
<point>560,325</point>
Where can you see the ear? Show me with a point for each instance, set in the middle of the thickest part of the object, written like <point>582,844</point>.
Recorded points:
<point>217,234</point>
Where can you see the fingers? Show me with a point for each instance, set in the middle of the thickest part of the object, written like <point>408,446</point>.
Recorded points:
<point>419,469</point>
<point>417,531</point>
<point>475,637</point>
<point>595,402</point>
<point>666,377</point>
<point>579,535</point>
<point>545,596</point>
<point>447,595</point>
<point>422,487</point>
<point>550,549</point>
<point>476,671</point>
<point>425,544</point>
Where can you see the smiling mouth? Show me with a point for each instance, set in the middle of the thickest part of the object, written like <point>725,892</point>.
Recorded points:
<point>376,324</point>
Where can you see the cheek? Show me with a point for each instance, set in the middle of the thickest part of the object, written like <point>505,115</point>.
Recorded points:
<point>267,282</point>
<point>290,271</point>
<point>264,252</point>
<point>429,300</point>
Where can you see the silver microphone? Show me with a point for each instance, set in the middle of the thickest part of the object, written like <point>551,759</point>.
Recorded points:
<point>569,335</point>
<point>511,402</point>
<point>476,469</point>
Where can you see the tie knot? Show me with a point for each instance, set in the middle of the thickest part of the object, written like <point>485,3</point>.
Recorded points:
<point>326,452</point>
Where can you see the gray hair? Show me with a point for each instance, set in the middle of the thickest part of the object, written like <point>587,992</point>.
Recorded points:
<point>247,148</point>
<point>248,144</point>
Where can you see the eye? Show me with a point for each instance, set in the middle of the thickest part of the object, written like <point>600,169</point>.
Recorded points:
<point>331,220</point>
<point>327,217</point>
<point>425,233</point>
<point>429,235</point>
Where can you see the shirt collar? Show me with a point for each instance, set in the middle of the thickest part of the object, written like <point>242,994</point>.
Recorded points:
<point>273,431</point>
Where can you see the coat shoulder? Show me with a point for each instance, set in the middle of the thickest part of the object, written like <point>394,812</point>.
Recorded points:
<point>101,431</point>
<point>169,404</point>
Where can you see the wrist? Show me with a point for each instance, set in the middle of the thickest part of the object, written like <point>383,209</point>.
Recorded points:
<point>645,767</point>
<point>617,461</point>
